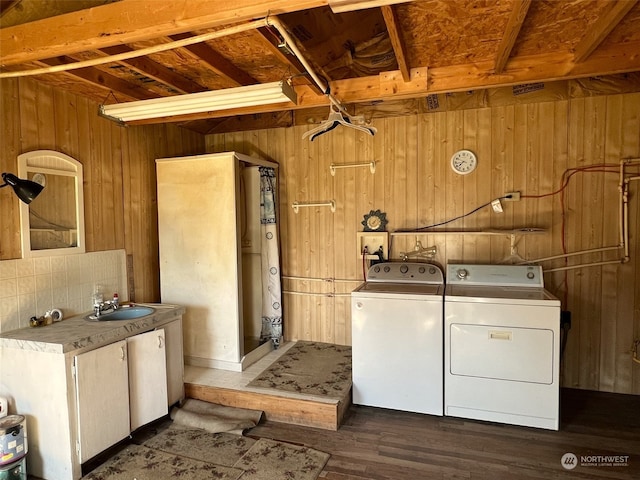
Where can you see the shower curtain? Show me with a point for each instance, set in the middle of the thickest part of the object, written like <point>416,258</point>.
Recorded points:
<point>271,287</point>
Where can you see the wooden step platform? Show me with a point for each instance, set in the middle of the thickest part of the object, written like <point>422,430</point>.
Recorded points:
<point>230,389</point>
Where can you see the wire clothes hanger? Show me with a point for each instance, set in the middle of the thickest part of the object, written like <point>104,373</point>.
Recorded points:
<point>337,113</point>
<point>339,116</point>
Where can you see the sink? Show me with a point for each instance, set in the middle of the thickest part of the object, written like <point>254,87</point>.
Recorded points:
<point>123,313</point>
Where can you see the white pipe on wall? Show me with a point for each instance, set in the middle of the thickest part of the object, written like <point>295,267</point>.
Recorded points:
<point>621,206</point>
<point>583,265</point>
<point>564,255</point>
<point>328,280</point>
<point>624,204</point>
<point>625,218</point>
<point>313,294</point>
<point>626,215</point>
<point>623,221</point>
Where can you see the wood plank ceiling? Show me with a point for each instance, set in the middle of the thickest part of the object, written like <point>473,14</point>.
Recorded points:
<point>369,51</point>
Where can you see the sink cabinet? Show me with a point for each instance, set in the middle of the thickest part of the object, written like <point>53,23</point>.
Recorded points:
<point>175,361</point>
<point>147,378</point>
<point>81,402</point>
<point>102,397</point>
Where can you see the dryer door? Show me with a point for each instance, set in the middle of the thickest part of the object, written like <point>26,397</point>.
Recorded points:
<point>503,353</point>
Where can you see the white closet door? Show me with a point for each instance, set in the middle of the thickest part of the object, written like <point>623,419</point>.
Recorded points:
<point>102,395</point>
<point>147,377</point>
<point>200,254</point>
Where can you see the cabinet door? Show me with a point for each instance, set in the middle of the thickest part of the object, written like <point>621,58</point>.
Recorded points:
<point>102,395</point>
<point>147,377</point>
<point>175,361</point>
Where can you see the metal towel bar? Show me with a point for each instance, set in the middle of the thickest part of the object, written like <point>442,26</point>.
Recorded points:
<point>333,167</point>
<point>328,203</point>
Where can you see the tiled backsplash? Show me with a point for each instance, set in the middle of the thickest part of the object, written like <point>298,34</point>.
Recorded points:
<point>31,286</point>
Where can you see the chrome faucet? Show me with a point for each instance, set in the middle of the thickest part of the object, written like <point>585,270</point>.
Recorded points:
<point>100,307</point>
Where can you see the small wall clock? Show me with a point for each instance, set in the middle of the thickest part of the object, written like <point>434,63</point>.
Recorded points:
<point>375,221</point>
<point>464,162</point>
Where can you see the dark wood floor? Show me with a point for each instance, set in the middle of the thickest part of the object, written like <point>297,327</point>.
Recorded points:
<point>379,444</point>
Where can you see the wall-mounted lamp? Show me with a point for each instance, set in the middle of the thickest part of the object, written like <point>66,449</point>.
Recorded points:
<point>26,190</point>
<point>238,97</point>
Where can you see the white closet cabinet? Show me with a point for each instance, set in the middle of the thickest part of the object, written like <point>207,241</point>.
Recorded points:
<point>200,222</point>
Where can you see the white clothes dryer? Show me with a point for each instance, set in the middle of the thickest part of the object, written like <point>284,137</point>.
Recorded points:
<point>501,345</point>
<point>396,326</point>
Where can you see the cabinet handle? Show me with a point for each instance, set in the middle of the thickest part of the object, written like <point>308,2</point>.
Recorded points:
<point>123,354</point>
<point>159,341</point>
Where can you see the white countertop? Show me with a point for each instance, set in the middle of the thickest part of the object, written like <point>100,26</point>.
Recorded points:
<point>76,333</point>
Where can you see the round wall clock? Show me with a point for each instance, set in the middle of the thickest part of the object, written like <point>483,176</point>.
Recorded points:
<point>375,221</point>
<point>464,162</point>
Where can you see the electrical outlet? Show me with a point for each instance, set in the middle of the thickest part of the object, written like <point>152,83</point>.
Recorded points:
<point>512,197</point>
<point>372,242</point>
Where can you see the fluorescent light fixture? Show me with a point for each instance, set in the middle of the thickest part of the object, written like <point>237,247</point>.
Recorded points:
<point>229,98</point>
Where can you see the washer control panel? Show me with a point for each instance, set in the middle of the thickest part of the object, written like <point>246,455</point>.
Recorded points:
<point>405,272</point>
<point>499,275</point>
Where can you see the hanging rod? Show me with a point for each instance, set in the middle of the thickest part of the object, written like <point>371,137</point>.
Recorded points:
<point>328,203</point>
<point>333,167</point>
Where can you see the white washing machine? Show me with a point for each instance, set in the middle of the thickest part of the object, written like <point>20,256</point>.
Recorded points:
<point>502,345</point>
<point>396,325</point>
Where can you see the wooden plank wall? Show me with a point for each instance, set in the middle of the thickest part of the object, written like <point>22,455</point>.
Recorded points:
<point>119,171</point>
<point>520,147</point>
<point>523,147</point>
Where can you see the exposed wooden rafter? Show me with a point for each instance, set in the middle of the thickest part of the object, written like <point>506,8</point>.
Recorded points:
<point>516,19</point>
<point>160,73</point>
<point>603,26</point>
<point>158,47</point>
<point>272,43</point>
<point>129,21</point>
<point>216,62</point>
<point>97,78</point>
<point>456,78</point>
<point>399,49</point>
<point>296,68</point>
<point>466,45</point>
<point>340,6</point>
<point>6,5</point>
<point>253,122</point>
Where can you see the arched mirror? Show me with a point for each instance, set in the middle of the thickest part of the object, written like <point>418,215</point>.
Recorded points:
<point>53,223</point>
